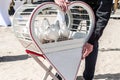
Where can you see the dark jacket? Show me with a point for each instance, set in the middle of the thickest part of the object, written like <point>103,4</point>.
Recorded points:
<point>102,10</point>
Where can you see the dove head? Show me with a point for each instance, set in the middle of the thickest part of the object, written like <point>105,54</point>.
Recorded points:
<point>57,24</point>
<point>45,24</point>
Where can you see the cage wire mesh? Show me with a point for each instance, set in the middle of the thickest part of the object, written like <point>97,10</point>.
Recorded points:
<point>21,26</point>
<point>52,28</point>
<point>82,18</point>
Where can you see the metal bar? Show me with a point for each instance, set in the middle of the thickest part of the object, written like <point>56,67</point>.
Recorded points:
<point>47,73</point>
<point>25,12</point>
<point>28,7</point>
<point>80,19</point>
<point>44,66</point>
<point>80,14</point>
<point>22,19</point>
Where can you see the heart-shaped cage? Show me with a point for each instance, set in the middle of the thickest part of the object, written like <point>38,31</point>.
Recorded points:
<point>58,35</point>
<point>47,26</point>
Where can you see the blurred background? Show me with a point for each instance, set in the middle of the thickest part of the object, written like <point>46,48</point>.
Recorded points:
<point>15,64</point>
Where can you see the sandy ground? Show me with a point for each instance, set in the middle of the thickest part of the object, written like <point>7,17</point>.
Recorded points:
<point>15,64</point>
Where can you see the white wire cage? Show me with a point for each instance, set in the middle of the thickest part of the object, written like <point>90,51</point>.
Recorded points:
<point>21,26</point>
<point>74,26</point>
<point>48,30</point>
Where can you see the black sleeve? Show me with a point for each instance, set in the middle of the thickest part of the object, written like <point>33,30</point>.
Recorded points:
<point>102,14</point>
<point>52,0</point>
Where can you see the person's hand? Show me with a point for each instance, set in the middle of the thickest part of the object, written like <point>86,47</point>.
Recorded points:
<point>87,49</point>
<point>62,4</point>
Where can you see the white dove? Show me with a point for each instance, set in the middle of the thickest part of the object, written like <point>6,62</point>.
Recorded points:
<point>52,33</point>
<point>64,31</point>
<point>42,29</point>
<point>44,25</point>
<point>60,16</point>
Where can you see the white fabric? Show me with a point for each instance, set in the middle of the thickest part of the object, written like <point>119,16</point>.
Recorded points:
<point>4,17</point>
<point>18,4</point>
